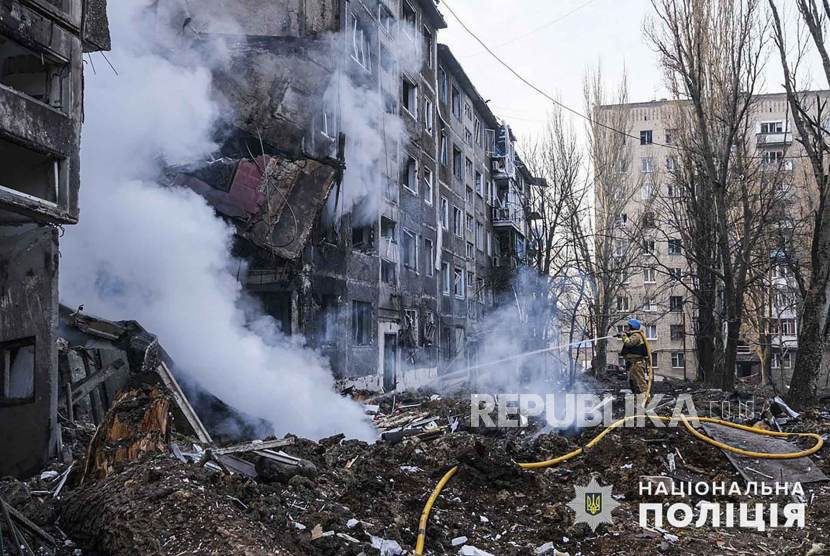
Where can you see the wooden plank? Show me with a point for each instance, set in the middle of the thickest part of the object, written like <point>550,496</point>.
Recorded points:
<point>253,446</point>
<point>70,403</point>
<point>30,527</point>
<point>87,385</point>
<point>181,401</point>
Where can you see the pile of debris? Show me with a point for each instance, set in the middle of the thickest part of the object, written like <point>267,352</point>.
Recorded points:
<point>148,483</point>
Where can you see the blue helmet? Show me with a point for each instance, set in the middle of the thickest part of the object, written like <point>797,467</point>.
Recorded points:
<point>634,324</point>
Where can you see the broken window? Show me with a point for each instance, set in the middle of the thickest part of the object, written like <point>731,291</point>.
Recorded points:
<point>34,74</point>
<point>456,102</point>
<point>409,177</point>
<point>410,97</point>
<point>361,47</point>
<point>327,320</point>
<point>676,331</point>
<point>445,277</point>
<point>428,117</point>
<point>17,371</point>
<point>363,237</point>
<point>387,229</point>
<point>410,324</point>
<point>428,192</point>
<point>29,173</point>
<point>429,250</point>
<point>445,155</point>
<point>477,130</point>
<point>457,164</point>
<point>410,250</point>
<point>490,135</point>
<point>408,16</point>
<point>387,271</point>
<point>457,226</point>
<point>427,47</point>
<point>676,274</point>
<point>328,124</point>
<point>675,246</point>
<point>458,283</point>
<point>362,323</point>
<point>445,213</point>
<point>429,327</point>
<point>443,84</point>
<point>479,183</point>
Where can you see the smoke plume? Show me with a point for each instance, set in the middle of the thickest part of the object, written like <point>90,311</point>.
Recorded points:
<point>160,255</point>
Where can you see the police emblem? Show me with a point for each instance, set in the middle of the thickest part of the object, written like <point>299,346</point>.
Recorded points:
<point>593,504</point>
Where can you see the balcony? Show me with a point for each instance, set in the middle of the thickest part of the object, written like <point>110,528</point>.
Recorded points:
<point>506,216</point>
<point>774,139</point>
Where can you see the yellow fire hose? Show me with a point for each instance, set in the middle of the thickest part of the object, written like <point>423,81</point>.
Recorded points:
<point>419,545</point>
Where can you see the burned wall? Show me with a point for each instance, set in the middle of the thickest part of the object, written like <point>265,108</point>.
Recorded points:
<point>28,326</point>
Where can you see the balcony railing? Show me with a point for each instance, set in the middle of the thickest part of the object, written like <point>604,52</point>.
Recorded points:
<point>771,139</point>
<point>506,215</point>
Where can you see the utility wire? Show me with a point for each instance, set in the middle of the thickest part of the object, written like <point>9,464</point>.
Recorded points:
<point>542,28</point>
<point>564,107</point>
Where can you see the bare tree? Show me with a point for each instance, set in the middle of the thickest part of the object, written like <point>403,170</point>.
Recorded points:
<point>607,248</point>
<point>712,53</point>
<point>810,113</point>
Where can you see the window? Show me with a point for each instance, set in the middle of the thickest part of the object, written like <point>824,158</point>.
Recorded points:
<point>428,186</point>
<point>327,320</point>
<point>410,97</point>
<point>458,283</point>
<point>678,359</point>
<point>469,220</point>
<point>17,371</point>
<point>648,247</point>
<point>328,121</point>
<point>671,136</point>
<point>409,18</point>
<point>468,111</point>
<point>670,163</point>
<point>788,360</point>
<point>427,45</point>
<point>32,173</point>
<point>676,331</point>
<point>361,48</point>
<point>445,277</point>
<point>35,75</point>
<point>480,236</point>
<point>490,141</point>
<point>363,237</point>
<point>410,317</point>
<point>457,164</point>
<point>409,177</point>
<point>646,165</point>
<point>654,359</point>
<point>645,137</point>
<point>410,250</point>
<point>362,323</point>
<point>651,331</point>
<point>457,225</point>
<point>445,154</point>
<point>429,249</point>
<point>620,247</point>
<point>390,104</point>
<point>772,157</point>
<point>676,274</point>
<point>468,166</point>
<point>387,61</point>
<point>443,83</point>
<point>477,130</point>
<point>675,246</point>
<point>622,304</point>
<point>646,191</point>
<point>649,305</point>
<point>468,137</point>
<point>489,243</point>
<point>445,213</point>
<point>387,271</point>
<point>428,117</point>
<point>387,229</point>
<point>672,191</point>
<point>387,20</point>
<point>479,183</point>
<point>471,279</point>
<point>772,127</point>
<point>676,304</point>
<point>621,220</point>
<point>456,102</point>
<point>471,251</point>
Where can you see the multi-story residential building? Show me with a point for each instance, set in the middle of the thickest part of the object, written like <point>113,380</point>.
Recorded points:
<point>378,250</point>
<point>654,292</point>
<point>41,96</point>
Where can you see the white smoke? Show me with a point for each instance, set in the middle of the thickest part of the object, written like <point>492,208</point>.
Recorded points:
<point>160,255</point>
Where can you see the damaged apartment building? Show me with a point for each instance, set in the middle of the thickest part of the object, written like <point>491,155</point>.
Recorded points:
<point>42,44</point>
<point>367,179</point>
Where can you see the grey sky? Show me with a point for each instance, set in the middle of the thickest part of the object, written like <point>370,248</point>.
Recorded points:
<point>555,59</point>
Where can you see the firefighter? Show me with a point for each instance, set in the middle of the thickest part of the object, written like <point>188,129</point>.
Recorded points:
<point>635,353</point>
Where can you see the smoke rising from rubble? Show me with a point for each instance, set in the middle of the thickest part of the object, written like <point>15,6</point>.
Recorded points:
<point>160,255</point>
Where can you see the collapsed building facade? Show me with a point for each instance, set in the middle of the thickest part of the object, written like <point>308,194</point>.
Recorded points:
<point>368,180</point>
<point>42,44</point>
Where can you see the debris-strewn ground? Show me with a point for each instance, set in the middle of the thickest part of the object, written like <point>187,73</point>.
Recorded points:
<point>364,494</point>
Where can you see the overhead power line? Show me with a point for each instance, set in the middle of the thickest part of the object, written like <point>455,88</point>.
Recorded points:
<point>559,104</point>
<point>542,28</point>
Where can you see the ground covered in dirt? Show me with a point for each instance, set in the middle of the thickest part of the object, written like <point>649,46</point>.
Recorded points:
<point>368,498</point>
